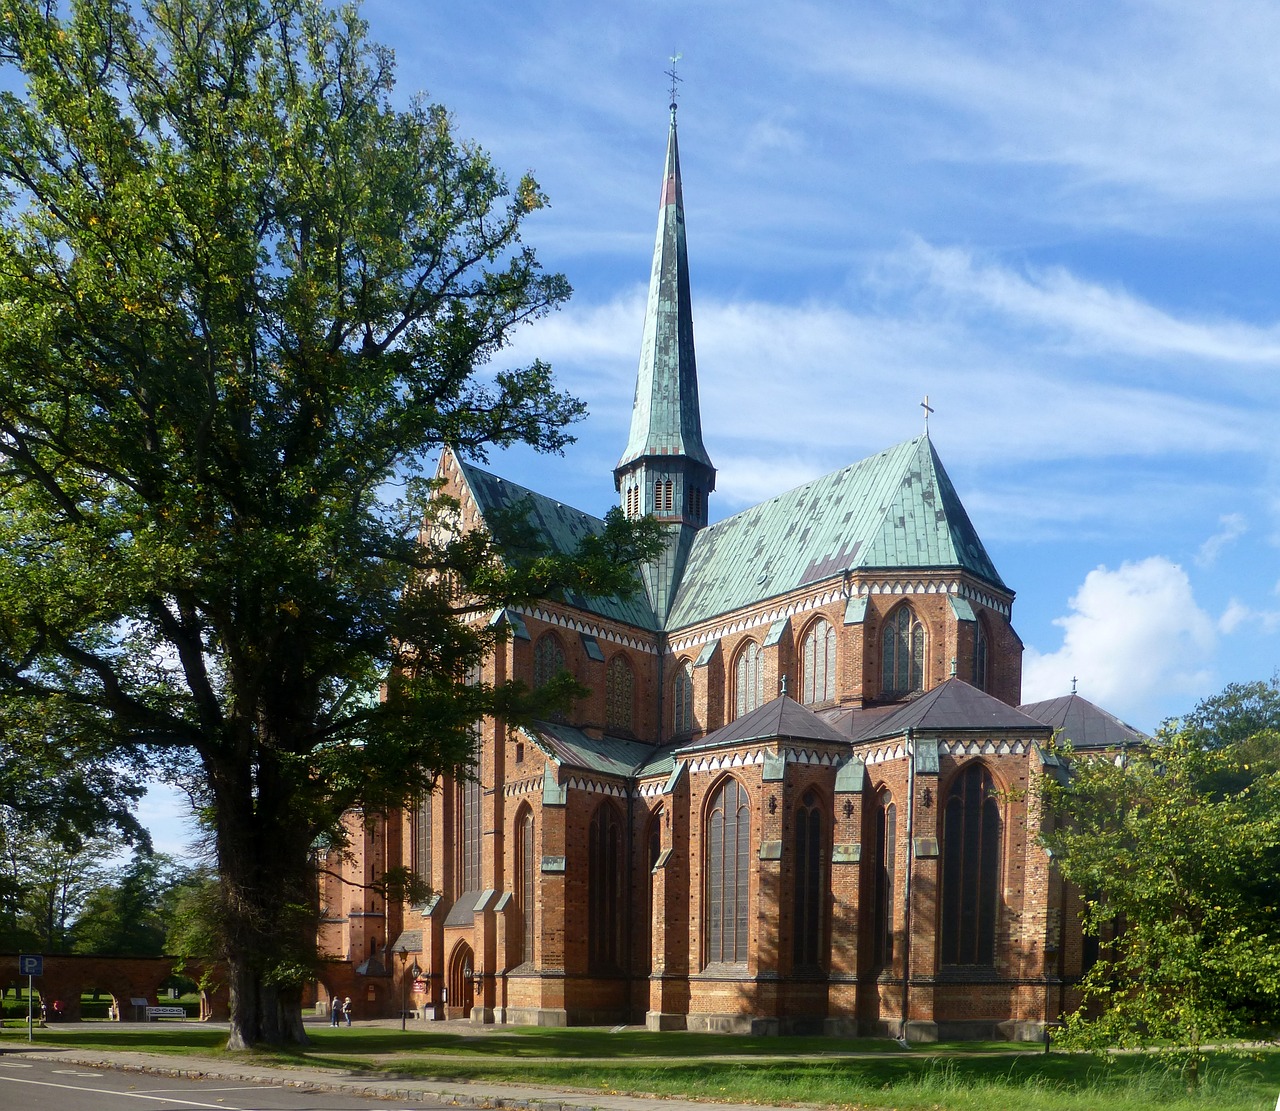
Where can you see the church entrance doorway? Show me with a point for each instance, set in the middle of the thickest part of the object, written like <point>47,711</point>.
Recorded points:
<point>461,966</point>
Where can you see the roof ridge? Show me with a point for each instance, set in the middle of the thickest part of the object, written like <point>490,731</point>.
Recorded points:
<point>809,482</point>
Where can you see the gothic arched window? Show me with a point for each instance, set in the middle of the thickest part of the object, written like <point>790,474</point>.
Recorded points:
<point>422,837</point>
<point>972,849</point>
<point>749,679</point>
<point>810,883</point>
<point>682,700</point>
<point>525,891</point>
<point>604,890</point>
<point>467,839</point>
<point>653,850</point>
<point>818,663</point>
<point>619,686</point>
<point>980,656</point>
<point>903,652</point>
<point>884,862</point>
<point>727,871</point>
<point>548,659</point>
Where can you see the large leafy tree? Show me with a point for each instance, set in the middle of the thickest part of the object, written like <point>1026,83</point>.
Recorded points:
<point>1176,848</point>
<point>47,886</point>
<point>243,298</point>
<point>131,912</point>
<point>63,809</point>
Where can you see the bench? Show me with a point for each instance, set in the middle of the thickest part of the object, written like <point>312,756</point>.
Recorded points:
<point>165,1012</point>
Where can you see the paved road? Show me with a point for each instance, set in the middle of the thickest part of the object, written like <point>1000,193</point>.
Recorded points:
<point>52,1086</point>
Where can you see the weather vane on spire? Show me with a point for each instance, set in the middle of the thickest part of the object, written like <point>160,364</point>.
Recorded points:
<point>674,78</point>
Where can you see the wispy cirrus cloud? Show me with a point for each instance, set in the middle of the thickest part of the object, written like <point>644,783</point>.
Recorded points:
<point>1234,526</point>
<point>1167,97</point>
<point>1091,315</point>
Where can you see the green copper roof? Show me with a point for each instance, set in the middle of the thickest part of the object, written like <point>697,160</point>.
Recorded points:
<point>665,419</point>
<point>894,511</point>
<point>562,528</point>
<point>606,755</point>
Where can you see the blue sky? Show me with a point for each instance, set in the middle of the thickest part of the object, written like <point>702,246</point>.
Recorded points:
<point>1061,222</point>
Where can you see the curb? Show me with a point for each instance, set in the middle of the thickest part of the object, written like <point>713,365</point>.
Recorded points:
<point>354,1086</point>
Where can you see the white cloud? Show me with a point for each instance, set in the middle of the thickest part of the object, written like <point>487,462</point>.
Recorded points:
<point>1093,315</point>
<point>1234,526</point>
<point>1235,615</point>
<point>1238,616</point>
<point>770,371</point>
<point>1175,99</point>
<point>1135,639</point>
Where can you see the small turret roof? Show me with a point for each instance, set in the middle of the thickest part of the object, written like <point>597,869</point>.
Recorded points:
<point>1084,724</point>
<point>782,718</point>
<point>951,707</point>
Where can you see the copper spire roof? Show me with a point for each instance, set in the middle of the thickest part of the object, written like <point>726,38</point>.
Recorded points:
<point>665,420</point>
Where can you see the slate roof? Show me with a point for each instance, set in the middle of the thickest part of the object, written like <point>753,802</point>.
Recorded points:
<point>1084,724</point>
<point>782,718</point>
<point>563,528</point>
<point>665,419</point>
<point>953,707</point>
<point>894,511</point>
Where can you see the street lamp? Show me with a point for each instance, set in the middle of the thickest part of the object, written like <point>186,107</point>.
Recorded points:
<point>406,973</point>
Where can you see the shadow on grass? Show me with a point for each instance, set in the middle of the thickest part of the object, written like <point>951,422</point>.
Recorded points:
<point>518,1043</point>
<point>178,1039</point>
<point>871,1074</point>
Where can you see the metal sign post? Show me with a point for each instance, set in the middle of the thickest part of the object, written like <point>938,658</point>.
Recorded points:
<point>30,965</point>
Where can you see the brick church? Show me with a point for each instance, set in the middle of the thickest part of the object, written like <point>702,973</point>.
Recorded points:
<point>798,797</point>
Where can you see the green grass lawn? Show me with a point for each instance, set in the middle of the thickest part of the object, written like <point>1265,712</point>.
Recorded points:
<point>829,1072</point>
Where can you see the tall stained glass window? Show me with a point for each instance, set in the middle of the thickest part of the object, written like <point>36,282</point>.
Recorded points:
<point>972,850</point>
<point>810,883</point>
<point>903,652</point>
<point>619,689</point>
<point>605,878</point>
<point>818,664</point>
<point>727,871</point>
<point>749,679</point>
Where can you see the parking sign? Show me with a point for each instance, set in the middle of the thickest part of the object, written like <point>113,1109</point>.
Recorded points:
<point>30,964</point>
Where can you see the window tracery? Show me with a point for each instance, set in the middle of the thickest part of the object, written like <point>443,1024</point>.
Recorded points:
<point>619,687</point>
<point>727,865</point>
<point>972,851</point>
<point>749,679</point>
<point>682,700</point>
<point>818,664</point>
<point>810,883</point>
<point>605,878</point>
<point>903,654</point>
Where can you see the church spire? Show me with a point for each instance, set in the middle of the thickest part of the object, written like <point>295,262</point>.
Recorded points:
<point>665,469</point>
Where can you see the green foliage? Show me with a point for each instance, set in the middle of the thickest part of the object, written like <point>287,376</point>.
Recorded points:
<point>241,298</point>
<point>46,883</point>
<point>1176,849</point>
<point>129,915</point>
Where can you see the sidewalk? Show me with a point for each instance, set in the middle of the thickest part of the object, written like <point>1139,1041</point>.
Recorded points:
<point>460,1093</point>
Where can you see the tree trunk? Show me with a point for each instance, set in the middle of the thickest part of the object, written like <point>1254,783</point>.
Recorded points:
<point>268,919</point>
